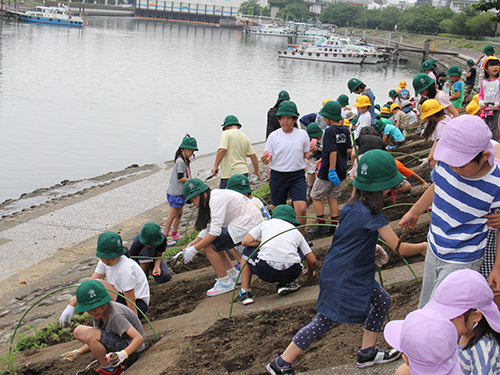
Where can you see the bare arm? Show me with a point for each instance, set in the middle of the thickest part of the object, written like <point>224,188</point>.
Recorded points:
<point>249,241</point>
<point>156,268</point>
<point>221,152</point>
<point>255,164</point>
<point>131,296</point>
<point>409,220</point>
<point>136,342</point>
<point>494,279</point>
<point>405,249</point>
<point>452,110</point>
<point>424,184</point>
<point>311,265</point>
<point>333,160</point>
<point>207,240</point>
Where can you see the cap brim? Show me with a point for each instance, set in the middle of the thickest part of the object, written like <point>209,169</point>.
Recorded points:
<point>87,307</point>
<point>445,368</point>
<point>117,254</point>
<point>455,158</point>
<point>449,312</point>
<point>492,315</point>
<point>392,333</point>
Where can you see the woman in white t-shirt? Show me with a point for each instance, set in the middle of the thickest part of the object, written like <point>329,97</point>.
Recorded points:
<point>224,218</point>
<point>286,149</point>
<point>279,259</point>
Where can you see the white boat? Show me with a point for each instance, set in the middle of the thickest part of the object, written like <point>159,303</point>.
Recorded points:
<point>272,30</point>
<point>335,49</point>
<point>59,16</point>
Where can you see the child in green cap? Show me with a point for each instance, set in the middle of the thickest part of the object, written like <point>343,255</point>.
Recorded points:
<point>151,243</point>
<point>458,88</point>
<point>123,275</point>
<point>347,280</point>
<point>181,172</point>
<point>279,259</point>
<point>116,330</point>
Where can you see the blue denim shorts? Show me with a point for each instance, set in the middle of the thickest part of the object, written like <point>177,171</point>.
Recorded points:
<point>176,201</point>
<point>224,242</point>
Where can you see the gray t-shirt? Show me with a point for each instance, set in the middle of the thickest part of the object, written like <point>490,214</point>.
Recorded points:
<point>175,187</point>
<point>120,319</point>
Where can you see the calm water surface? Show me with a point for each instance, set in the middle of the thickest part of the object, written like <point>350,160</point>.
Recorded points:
<point>79,103</point>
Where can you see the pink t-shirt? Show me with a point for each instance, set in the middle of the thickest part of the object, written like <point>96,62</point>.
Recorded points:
<point>444,100</point>
<point>439,128</point>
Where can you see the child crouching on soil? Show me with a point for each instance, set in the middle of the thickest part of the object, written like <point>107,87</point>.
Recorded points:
<point>347,279</point>
<point>116,330</point>
<point>278,260</point>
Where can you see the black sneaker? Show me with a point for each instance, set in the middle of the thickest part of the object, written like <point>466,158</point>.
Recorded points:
<point>309,243</point>
<point>274,369</point>
<point>245,298</point>
<point>288,288</point>
<point>377,356</point>
<point>318,231</point>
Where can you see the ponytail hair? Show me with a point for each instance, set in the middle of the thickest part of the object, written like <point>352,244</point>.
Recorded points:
<point>373,199</point>
<point>203,211</point>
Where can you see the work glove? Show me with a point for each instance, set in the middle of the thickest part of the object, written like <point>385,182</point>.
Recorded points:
<point>66,315</point>
<point>70,356</point>
<point>117,358</point>
<point>423,163</point>
<point>481,103</point>
<point>494,105</point>
<point>381,256</point>
<point>188,254</point>
<point>332,176</point>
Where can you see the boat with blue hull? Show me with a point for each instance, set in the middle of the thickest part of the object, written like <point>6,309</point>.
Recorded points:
<point>59,16</point>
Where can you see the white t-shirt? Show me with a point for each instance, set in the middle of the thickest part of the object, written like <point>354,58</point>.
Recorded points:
<point>233,210</point>
<point>364,120</point>
<point>126,275</point>
<point>282,248</point>
<point>288,150</point>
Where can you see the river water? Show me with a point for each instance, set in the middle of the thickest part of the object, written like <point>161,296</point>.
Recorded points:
<point>79,103</point>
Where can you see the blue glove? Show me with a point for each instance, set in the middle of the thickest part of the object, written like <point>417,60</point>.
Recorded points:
<point>332,176</point>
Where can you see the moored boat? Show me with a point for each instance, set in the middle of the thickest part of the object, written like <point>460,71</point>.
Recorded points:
<point>59,16</point>
<point>272,30</point>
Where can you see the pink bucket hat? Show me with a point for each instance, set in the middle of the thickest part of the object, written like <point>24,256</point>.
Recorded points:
<point>428,339</point>
<point>462,139</point>
<point>461,291</point>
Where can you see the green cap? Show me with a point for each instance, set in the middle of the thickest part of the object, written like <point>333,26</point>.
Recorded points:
<point>313,130</point>
<point>353,84</point>
<point>288,108</point>
<point>193,187</point>
<point>454,70</point>
<point>230,120</point>
<point>109,246</point>
<point>427,65</point>
<point>354,121</point>
<point>377,106</point>
<point>91,294</point>
<point>433,62</point>
<point>470,62</point>
<point>239,183</point>
<point>283,95</point>
<point>189,142</point>
<point>332,110</point>
<point>489,50</point>
<point>343,99</point>
<point>393,93</point>
<point>151,235</point>
<point>379,125</point>
<point>287,213</point>
<point>377,171</point>
<point>421,82</point>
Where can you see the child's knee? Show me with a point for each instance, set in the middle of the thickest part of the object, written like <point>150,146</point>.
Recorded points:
<point>92,335</point>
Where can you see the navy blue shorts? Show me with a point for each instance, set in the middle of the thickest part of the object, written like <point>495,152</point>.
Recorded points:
<point>224,242</point>
<point>114,343</point>
<point>139,302</point>
<point>284,183</point>
<point>176,201</point>
<point>269,274</point>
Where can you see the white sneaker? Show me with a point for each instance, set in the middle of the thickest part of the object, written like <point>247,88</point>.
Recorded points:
<point>221,287</point>
<point>234,278</point>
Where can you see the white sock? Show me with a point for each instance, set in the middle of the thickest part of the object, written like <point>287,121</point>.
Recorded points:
<point>232,272</point>
<point>224,279</point>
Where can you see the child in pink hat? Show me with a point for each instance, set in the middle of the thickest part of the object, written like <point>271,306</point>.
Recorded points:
<point>466,189</point>
<point>428,342</point>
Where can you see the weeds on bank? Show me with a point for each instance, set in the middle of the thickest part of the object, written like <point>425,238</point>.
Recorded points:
<point>7,363</point>
<point>49,335</point>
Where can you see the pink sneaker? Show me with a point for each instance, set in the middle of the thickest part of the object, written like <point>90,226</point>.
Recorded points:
<point>177,237</point>
<point>221,287</point>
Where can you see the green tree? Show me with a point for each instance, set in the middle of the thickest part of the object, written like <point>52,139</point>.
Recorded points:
<point>294,11</point>
<point>486,5</point>
<point>251,7</point>
<point>342,14</point>
<point>480,25</point>
<point>424,19</point>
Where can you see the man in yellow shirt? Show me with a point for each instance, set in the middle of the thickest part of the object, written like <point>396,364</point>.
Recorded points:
<point>234,148</point>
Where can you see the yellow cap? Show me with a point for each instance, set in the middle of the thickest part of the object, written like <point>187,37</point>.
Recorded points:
<point>430,107</point>
<point>395,105</point>
<point>402,84</point>
<point>472,108</point>
<point>384,110</point>
<point>362,101</point>
<point>346,122</point>
<point>475,97</point>
<point>326,101</point>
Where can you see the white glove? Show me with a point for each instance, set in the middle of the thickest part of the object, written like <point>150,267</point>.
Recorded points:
<point>66,315</point>
<point>70,356</point>
<point>481,103</point>
<point>117,358</point>
<point>495,105</point>
<point>423,163</point>
<point>381,256</point>
<point>188,254</point>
